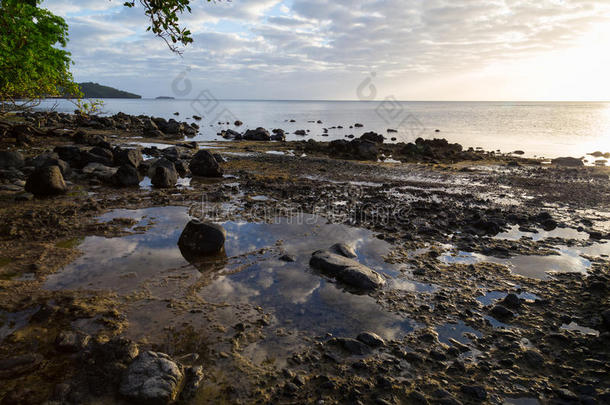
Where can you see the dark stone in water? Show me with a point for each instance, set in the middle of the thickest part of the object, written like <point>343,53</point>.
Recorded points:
<point>165,175</point>
<point>347,271</point>
<point>205,165</point>
<point>343,250</point>
<point>46,181</point>
<point>351,345</point>
<point>501,312</point>
<point>202,239</point>
<point>567,162</point>
<point>126,176</point>
<point>371,339</point>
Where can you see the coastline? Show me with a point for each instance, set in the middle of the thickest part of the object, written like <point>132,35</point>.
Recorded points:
<point>437,206</point>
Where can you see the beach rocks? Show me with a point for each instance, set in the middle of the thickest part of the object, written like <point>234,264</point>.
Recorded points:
<point>258,134</point>
<point>46,181</point>
<point>567,162</point>
<point>373,137</point>
<point>278,135</point>
<point>152,378</point>
<point>343,250</point>
<point>9,158</point>
<point>202,239</point>
<point>350,345</point>
<point>300,132</point>
<point>347,271</point>
<point>371,339</point>
<point>165,174</point>
<point>205,165</point>
<point>230,134</point>
<point>131,157</point>
<point>126,176</point>
<point>360,149</point>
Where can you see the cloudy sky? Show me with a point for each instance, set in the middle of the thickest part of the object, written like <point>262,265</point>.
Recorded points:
<point>326,49</point>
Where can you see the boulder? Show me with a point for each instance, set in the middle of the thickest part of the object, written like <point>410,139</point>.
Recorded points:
<point>230,134</point>
<point>70,153</point>
<point>278,135</point>
<point>373,137</point>
<point>9,158</point>
<point>371,339</point>
<point>353,346</point>
<point>258,134</point>
<point>343,250</point>
<point>46,181</point>
<point>127,157</point>
<point>300,132</point>
<point>50,159</point>
<point>152,378</point>
<point>165,174</point>
<point>126,176</point>
<point>202,239</point>
<point>567,162</point>
<point>346,270</point>
<point>203,164</point>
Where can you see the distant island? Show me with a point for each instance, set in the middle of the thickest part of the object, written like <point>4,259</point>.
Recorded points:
<point>95,90</point>
<point>164,98</point>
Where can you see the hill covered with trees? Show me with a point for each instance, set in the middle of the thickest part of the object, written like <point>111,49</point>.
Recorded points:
<point>95,90</point>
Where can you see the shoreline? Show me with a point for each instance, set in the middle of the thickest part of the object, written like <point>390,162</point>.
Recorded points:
<point>428,210</point>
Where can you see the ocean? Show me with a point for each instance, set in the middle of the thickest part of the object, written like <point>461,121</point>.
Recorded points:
<point>540,129</point>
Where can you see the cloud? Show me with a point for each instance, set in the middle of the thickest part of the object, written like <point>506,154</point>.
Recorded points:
<point>251,40</point>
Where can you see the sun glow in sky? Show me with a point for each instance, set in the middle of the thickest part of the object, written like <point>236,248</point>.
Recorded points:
<point>322,49</point>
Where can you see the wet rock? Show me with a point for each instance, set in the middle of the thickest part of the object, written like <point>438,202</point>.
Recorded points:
<point>373,137</point>
<point>46,181</point>
<point>71,342</point>
<point>567,162</point>
<point>100,171</point>
<point>300,132</point>
<point>533,358</point>
<point>10,158</point>
<point>501,312</point>
<point>152,378</point>
<point>288,258</point>
<point>165,174</point>
<point>371,339</point>
<point>205,165</point>
<point>477,392</point>
<point>358,125</point>
<point>511,301</point>
<point>193,377</point>
<point>346,270</point>
<point>202,238</point>
<point>126,176</point>
<point>50,159</point>
<point>230,134</point>
<point>278,135</point>
<point>238,123</point>
<point>343,249</point>
<point>258,134</point>
<point>131,157</point>
<point>181,167</point>
<point>70,153</point>
<point>351,345</point>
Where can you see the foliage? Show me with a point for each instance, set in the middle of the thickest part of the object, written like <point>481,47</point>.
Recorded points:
<point>89,107</point>
<point>95,90</point>
<point>164,18</point>
<point>32,61</point>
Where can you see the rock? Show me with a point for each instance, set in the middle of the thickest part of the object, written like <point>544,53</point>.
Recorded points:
<point>71,154</point>
<point>127,157</point>
<point>346,270</point>
<point>567,162</point>
<point>278,135</point>
<point>9,158</point>
<point>100,171</point>
<point>358,125</point>
<point>46,181</point>
<point>288,258</point>
<point>300,132</point>
<point>126,176</point>
<point>606,318</point>
<point>501,312</point>
<point>181,167</point>
<point>351,345</point>
<point>152,378</point>
<point>193,376</point>
<point>71,342</point>
<point>165,174</point>
<point>343,250</point>
<point>17,365</point>
<point>238,123</point>
<point>258,134</point>
<point>475,391</point>
<point>371,339</point>
<point>203,164</point>
<point>511,301</point>
<point>533,358</point>
<point>230,134</point>
<point>202,239</point>
<point>373,137</point>
<point>50,159</point>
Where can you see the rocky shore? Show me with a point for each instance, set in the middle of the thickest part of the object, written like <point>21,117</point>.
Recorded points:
<point>443,295</point>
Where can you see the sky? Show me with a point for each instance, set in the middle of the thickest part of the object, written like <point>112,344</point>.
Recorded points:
<point>351,49</point>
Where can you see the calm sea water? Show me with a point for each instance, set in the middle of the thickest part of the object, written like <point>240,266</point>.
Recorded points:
<point>538,128</point>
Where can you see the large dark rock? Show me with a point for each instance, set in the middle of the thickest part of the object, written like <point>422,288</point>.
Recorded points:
<point>258,134</point>
<point>230,134</point>
<point>152,378</point>
<point>567,162</point>
<point>50,159</point>
<point>346,270</point>
<point>205,165</point>
<point>373,137</point>
<point>126,176</point>
<point>46,181</point>
<point>359,149</point>
<point>202,239</point>
<point>165,174</point>
<point>9,158</point>
<point>127,157</point>
<point>69,153</point>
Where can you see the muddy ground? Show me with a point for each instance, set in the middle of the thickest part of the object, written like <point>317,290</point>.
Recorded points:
<point>441,223</point>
